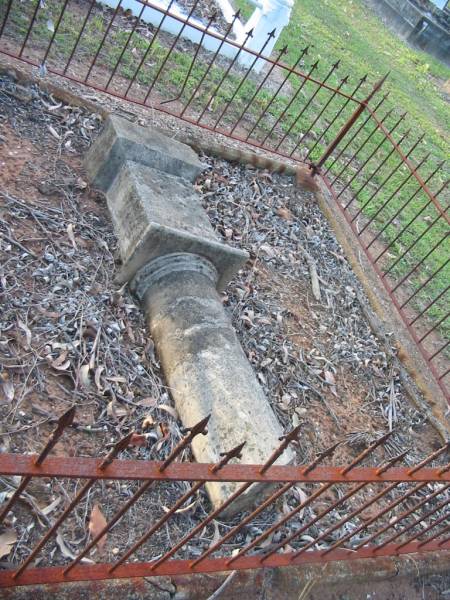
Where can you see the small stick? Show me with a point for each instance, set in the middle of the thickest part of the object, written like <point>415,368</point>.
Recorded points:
<point>19,245</point>
<point>223,586</point>
<point>313,273</point>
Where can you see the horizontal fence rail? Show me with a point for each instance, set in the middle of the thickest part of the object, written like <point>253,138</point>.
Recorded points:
<point>329,513</point>
<point>392,191</point>
<point>110,52</point>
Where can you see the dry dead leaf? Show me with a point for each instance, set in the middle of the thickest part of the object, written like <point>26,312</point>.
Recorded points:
<point>181,510</point>
<point>329,378</point>
<point>117,379</point>
<point>148,422</point>
<point>7,539</point>
<point>130,334</point>
<point>164,430</point>
<point>60,363</point>
<point>295,420</point>
<point>116,410</point>
<point>97,522</point>
<point>80,184</point>
<point>169,409</point>
<point>51,507</point>
<point>94,348</point>
<point>148,402</point>
<point>138,439</point>
<point>71,235</point>
<point>98,371</point>
<point>65,550</point>
<point>64,366</point>
<point>54,133</point>
<point>83,376</point>
<point>64,345</point>
<point>27,332</point>
<point>285,213</point>
<point>216,537</point>
<point>302,496</point>
<point>8,390</point>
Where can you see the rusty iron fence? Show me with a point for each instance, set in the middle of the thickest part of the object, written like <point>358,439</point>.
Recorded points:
<point>393,197</point>
<point>390,188</point>
<point>392,193</point>
<point>342,513</point>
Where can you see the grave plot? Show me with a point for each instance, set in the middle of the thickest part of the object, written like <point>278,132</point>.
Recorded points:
<point>69,336</point>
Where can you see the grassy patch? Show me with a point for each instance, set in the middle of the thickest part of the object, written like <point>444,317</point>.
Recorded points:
<point>246,8</point>
<point>349,32</point>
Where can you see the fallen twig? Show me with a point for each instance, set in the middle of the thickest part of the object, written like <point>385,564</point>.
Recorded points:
<point>11,240</point>
<point>313,273</point>
<point>223,586</point>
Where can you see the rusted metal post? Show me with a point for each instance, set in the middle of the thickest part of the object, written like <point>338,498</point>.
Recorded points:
<point>210,65</point>
<point>198,429</point>
<point>346,128</point>
<point>234,453</point>
<point>229,102</point>
<point>307,105</point>
<point>79,36</point>
<point>5,18</point>
<point>336,116</point>
<point>118,447</point>
<point>241,490</point>
<point>64,421</point>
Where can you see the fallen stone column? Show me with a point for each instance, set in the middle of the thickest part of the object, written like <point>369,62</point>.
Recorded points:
<point>205,366</point>
<point>175,263</point>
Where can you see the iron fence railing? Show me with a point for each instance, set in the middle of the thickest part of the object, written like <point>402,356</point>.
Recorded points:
<point>393,195</point>
<point>391,189</point>
<point>103,49</point>
<point>342,513</point>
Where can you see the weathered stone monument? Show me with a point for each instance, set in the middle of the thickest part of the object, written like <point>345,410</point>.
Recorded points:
<point>174,264</point>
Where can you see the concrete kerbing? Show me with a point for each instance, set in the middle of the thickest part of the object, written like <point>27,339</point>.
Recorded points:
<point>276,584</point>
<point>50,88</point>
<point>436,407</point>
<point>410,355</point>
<point>249,583</point>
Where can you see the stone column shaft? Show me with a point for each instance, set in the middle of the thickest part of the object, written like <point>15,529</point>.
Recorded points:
<point>203,361</point>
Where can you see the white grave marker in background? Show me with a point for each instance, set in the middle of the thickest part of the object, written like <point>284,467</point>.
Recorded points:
<point>268,15</point>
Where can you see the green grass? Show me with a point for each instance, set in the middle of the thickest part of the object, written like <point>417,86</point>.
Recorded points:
<point>246,8</point>
<point>333,30</point>
<point>349,32</point>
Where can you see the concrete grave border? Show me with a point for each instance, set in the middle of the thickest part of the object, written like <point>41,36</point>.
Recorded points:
<point>289,581</point>
<point>281,583</point>
<point>384,321</point>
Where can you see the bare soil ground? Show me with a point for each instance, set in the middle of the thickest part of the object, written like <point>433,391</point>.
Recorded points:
<point>68,336</point>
